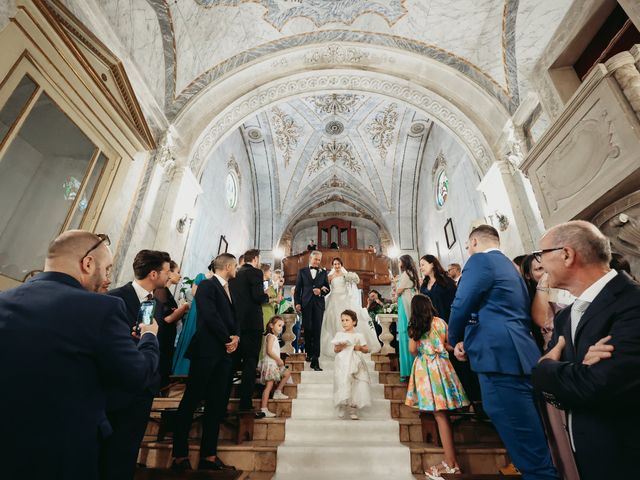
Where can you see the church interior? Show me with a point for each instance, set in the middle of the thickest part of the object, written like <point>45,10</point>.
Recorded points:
<point>372,129</point>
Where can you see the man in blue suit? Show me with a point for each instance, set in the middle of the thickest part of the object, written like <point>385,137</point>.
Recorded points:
<point>61,345</point>
<point>490,323</point>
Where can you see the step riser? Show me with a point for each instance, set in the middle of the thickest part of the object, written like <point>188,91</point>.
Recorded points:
<point>478,461</point>
<point>326,377</point>
<point>358,432</point>
<point>319,390</point>
<point>321,409</point>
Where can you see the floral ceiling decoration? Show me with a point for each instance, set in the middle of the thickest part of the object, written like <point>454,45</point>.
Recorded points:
<point>335,152</point>
<point>334,103</point>
<point>287,133</point>
<point>320,12</point>
<point>382,128</point>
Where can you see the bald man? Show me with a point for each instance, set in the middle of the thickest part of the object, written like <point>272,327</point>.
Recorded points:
<point>592,370</point>
<point>61,344</point>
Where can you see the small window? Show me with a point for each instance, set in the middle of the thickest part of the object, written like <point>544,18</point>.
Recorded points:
<point>232,190</point>
<point>15,106</point>
<point>442,188</point>
<point>48,174</point>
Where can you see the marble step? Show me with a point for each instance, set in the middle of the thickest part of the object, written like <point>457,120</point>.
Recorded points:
<point>327,377</point>
<point>319,408</point>
<point>329,364</point>
<point>336,430</point>
<point>322,390</point>
<point>344,460</point>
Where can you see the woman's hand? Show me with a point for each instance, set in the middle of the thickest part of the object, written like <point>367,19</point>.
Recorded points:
<point>338,348</point>
<point>279,362</point>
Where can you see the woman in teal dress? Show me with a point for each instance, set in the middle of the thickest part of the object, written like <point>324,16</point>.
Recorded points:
<point>405,290</point>
<point>189,323</point>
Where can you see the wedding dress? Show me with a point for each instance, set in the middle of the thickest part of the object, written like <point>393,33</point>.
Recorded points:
<point>345,296</point>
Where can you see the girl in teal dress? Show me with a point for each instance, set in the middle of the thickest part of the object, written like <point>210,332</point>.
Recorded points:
<point>405,290</point>
<point>189,323</point>
<point>433,385</point>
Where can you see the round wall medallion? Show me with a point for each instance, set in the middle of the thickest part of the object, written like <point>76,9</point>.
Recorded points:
<point>334,127</point>
<point>254,134</point>
<point>417,128</point>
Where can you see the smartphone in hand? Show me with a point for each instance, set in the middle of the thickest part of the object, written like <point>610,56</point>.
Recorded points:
<point>146,313</point>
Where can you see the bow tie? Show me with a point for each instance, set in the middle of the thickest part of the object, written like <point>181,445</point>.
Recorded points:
<point>314,268</point>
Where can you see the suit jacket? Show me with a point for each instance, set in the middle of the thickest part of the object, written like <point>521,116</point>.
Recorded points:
<point>248,294</point>
<point>216,321</point>
<point>60,347</point>
<point>118,399</point>
<point>603,398</point>
<point>499,340</point>
<point>305,284</point>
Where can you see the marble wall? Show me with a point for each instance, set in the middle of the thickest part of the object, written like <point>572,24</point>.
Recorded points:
<point>212,215</point>
<point>7,9</point>
<point>465,205</point>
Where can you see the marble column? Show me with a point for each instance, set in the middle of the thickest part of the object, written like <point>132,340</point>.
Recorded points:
<point>624,70</point>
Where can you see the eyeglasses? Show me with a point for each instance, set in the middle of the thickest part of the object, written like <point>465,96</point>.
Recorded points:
<point>104,238</point>
<point>538,253</point>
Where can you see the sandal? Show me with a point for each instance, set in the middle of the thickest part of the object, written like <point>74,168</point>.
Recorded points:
<point>435,471</point>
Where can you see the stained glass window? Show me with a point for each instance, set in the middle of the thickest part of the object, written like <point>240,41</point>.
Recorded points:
<point>442,188</point>
<point>232,190</point>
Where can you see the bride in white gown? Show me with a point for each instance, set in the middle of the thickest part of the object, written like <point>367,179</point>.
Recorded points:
<point>344,296</point>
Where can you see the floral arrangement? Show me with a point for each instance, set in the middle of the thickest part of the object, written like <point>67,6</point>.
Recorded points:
<point>390,308</point>
<point>351,277</point>
<point>187,283</point>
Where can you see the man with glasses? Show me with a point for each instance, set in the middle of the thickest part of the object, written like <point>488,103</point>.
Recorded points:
<point>490,323</point>
<point>61,345</point>
<point>592,368</point>
<point>127,413</point>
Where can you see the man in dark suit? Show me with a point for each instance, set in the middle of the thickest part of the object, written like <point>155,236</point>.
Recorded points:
<point>61,345</point>
<point>592,369</point>
<point>127,413</point>
<point>210,374</point>
<point>312,285</point>
<point>248,292</point>
<point>490,322</point>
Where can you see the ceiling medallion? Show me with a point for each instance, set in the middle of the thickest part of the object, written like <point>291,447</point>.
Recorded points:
<point>417,128</point>
<point>332,153</point>
<point>254,134</point>
<point>334,127</point>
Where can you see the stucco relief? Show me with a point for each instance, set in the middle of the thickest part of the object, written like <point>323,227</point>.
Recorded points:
<point>287,133</point>
<point>620,221</point>
<point>587,143</point>
<point>334,103</point>
<point>382,128</point>
<point>464,129</point>
<point>331,153</point>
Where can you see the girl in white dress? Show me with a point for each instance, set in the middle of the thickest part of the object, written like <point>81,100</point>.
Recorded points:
<point>351,381</point>
<point>344,296</point>
<point>271,366</point>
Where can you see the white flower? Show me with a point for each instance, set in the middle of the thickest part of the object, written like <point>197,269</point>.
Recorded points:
<point>352,277</point>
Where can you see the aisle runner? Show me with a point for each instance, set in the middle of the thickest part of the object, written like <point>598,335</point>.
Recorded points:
<point>318,445</point>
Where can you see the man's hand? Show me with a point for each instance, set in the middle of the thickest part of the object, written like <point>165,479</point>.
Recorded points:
<point>298,308</point>
<point>233,344</point>
<point>556,352</point>
<point>459,352</point>
<point>316,292</point>
<point>153,328</point>
<point>598,352</point>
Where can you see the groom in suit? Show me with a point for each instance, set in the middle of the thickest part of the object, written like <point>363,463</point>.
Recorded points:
<point>312,285</point>
<point>490,323</point>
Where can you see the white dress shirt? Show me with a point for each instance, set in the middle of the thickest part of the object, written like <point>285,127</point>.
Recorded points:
<point>313,272</point>
<point>142,293</point>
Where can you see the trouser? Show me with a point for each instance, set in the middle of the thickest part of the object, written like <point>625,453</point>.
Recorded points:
<point>250,343</point>
<point>509,402</point>
<point>119,452</point>
<point>312,314</point>
<point>209,380</point>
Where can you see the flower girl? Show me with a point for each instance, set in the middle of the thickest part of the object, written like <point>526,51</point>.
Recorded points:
<point>351,378</point>
<point>272,368</point>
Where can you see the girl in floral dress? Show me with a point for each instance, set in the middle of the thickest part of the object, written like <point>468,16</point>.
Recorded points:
<point>272,368</point>
<point>433,384</point>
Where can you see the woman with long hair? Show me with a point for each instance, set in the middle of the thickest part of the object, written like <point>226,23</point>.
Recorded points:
<point>437,285</point>
<point>405,290</point>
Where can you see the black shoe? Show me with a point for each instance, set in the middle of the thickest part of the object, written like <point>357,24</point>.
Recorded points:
<point>309,359</point>
<point>215,465</point>
<point>181,466</point>
<point>259,415</point>
<point>316,367</point>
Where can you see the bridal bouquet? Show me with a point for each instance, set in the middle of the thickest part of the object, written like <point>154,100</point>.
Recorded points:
<point>352,277</point>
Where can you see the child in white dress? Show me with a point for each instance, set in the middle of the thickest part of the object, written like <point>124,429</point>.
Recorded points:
<point>351,381</point>
<point>271,366</point>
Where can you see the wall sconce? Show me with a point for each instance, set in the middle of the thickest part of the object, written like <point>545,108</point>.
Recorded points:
<point>182,222</point>
<point>394,252</point>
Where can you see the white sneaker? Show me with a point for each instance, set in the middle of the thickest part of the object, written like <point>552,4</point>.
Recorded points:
<point>354,414</point>
<point>278,395</point>
<point>267,413</point>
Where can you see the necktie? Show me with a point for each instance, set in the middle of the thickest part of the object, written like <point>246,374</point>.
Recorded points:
<point>226,290</point>
<point>149,297</point>
<point>577,310</point>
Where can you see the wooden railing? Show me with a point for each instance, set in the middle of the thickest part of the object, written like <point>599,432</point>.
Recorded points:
<point>371,268</point>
